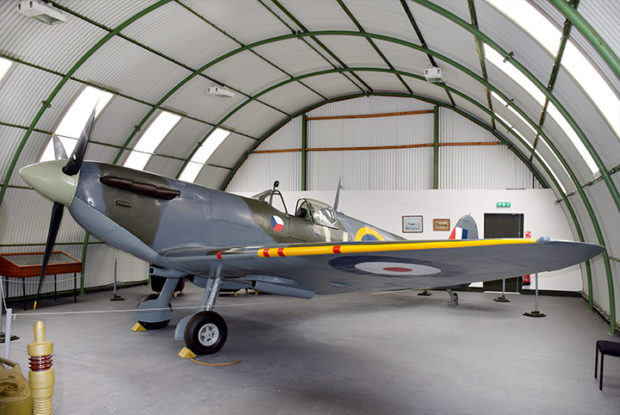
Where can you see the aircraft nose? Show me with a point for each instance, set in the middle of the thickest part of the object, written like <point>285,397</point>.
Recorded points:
<point>48,179</point>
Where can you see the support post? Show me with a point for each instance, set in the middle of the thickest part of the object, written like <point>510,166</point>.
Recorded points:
<point>304,152</point>
<point>502,298</point>
<point>436,147</point>
<point>7,334</point>
<point>536,312</point>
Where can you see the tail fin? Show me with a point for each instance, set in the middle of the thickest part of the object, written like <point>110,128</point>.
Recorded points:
<point>465,228</point>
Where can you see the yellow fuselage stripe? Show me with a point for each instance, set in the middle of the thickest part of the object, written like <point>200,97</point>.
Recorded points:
<point>385,247</point>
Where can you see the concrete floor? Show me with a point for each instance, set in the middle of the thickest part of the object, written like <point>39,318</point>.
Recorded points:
<point>382,353</point>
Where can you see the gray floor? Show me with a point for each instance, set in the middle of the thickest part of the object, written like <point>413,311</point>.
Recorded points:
<point>384,353</point>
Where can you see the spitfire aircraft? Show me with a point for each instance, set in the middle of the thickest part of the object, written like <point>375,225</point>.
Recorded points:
<point>218,240</point>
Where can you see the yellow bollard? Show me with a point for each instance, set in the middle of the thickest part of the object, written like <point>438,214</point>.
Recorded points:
<point>41,373</point>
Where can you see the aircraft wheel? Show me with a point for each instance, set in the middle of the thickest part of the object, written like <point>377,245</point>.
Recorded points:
<point>205,332</point>
<point>158,324</point>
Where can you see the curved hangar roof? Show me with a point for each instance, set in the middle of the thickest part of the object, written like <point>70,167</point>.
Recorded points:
<point>544,75</point>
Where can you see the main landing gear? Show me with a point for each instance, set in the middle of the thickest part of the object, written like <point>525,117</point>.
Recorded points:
<point>155,311</point>
<point>204,332</point>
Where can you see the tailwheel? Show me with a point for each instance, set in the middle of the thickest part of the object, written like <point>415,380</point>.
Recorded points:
<point>205,332</point>
<point>153,325</point>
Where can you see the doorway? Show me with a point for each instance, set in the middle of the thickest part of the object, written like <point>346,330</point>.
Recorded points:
<point>503,225</point>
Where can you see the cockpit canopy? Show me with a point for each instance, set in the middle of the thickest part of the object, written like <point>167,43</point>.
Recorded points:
<point>316,211</point>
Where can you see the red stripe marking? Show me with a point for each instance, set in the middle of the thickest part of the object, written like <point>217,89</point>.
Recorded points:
<point>266,252</point>
<point>281,251</point>
<point>336,249</point>
<point>219,255</point>
<point>397,269</point>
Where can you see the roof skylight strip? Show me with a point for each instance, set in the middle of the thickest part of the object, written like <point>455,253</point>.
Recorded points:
<point>151,139</point>
<point>5,65</point>
<point>203,154</point>
<point>75,119</point>
<point>516,75</point>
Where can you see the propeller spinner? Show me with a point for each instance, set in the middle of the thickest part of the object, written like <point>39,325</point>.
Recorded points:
<point>57,183</point>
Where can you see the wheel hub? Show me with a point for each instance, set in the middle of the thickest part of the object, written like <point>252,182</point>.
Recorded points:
<point>208,334</point>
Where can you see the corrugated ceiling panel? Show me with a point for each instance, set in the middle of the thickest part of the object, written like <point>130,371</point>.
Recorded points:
<point>404,58</point>
<point>289,136</point>
<point>427,89</point>
<point>445,37</point>
<point>254,119</point>
<point>100,152</point>
<point>25,217</point>
<point>370,105</point>
<point>554,165</point>
<point>10,138</point>
<point>604,17</point>
<point>332,85</point>
<point>115,12</point>
<point>60,105</point>
<point>471,109</point>
<point>587,116</point>
<point>372,15</point>
<point>260,171</point>
<point>362,132</point>
<point>382,82</point>
<point>118,120</point>
<point>246,72</point>
<point>247,21</point>
<point>458,8</point>
<point>163,166</point>
<point>291,97</point>
<point>294,56</point>
<point>230,150</point>
<point>482,167</point>
<point>455,128</point>
<point>353,51</point>
<point>22,93</point>
<point>193,99</point>
<point>56,47</point>
<point>183,138</point>
<point>134,71</point>
<point>379,169</point>
<point>179,40</point>
<point>607,213</point>
<point>212,177</point>
<point>320,15</point>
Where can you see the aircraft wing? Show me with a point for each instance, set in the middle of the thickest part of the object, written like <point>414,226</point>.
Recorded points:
<point>342,267</point>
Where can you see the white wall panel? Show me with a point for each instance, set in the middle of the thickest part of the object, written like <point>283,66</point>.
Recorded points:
<point>370,105</point>
<point>260,171</point>
<point>382,131</point>
<point>378,169</point>
<point>482,167</point>
<point>287,137</point>
<point>454,128</point>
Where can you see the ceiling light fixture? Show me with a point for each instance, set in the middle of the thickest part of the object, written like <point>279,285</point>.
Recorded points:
<point>41,11</point>
<point>220,91</point>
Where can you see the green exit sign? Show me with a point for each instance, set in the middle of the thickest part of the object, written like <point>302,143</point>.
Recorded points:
<point>503,204</point>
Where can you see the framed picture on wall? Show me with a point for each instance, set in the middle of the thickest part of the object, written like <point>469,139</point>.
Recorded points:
<point>441,224</point>
<point>412,224</point>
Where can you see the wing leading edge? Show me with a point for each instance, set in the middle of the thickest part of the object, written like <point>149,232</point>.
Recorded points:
<point>332,268</point>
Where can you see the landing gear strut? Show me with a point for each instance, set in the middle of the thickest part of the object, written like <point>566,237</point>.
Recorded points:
<point>155,311</point>
<point>205,332</point>
<point>454,298</point>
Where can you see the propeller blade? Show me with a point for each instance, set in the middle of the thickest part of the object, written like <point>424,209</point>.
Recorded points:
<point>57,211</point>
<point>75,161</point>
<point>59,149</point>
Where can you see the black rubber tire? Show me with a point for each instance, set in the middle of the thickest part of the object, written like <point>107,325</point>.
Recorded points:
<point>199,338</point>
<point>158,324</point>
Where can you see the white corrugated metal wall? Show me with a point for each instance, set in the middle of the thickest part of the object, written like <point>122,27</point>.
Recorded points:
<point>489,165</point>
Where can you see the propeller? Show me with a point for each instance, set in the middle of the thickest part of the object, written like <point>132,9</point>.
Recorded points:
<point>74,163</point>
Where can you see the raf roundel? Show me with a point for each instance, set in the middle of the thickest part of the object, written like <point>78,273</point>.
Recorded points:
<point>277,224</point>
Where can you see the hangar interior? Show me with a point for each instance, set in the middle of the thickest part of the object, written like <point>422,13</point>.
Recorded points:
<point>234,95</point>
